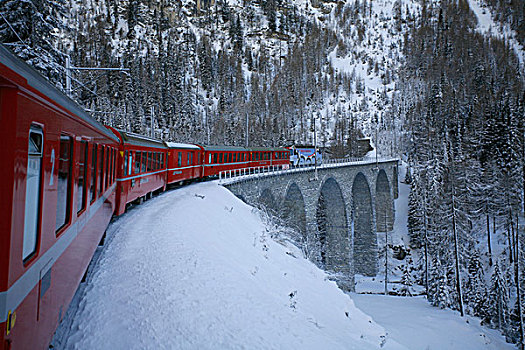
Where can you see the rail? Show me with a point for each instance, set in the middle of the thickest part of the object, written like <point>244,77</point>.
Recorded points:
<point>229,176</point>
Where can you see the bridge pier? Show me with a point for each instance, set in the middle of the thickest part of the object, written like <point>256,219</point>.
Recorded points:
<point>336,217</point>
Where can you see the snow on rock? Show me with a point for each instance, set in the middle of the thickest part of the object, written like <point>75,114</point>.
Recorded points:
<point>196,268</point>
<point>417,325</point>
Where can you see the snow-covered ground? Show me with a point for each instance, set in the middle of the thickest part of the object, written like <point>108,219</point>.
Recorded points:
<point>196,268</point>
<point>417,325</point>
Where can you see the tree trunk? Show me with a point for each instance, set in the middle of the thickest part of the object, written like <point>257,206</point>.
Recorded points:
<point>488,240</point>
<point>518,291</point>
<point>426,243</point>
<point>456,253</point>
<point>509,236</point>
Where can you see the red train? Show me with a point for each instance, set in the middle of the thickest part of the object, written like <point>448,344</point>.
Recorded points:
<point>63,177</point>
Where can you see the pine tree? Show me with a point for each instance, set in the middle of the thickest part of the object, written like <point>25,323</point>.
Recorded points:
<point>497,313</point>
<point>406,281</point>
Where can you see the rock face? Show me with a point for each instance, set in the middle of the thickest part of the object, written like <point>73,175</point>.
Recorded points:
<point>336,217</point>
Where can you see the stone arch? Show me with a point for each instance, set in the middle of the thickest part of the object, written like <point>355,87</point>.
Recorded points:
<point>293,209</point>
<point>267,200</point>
<point>332,228</point>
<point>365,239</point>
<point>384,210</point>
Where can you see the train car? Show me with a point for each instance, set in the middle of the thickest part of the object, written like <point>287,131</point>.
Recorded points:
<point>58,196</point>
<point>268,157</point>
<point>223,158</point>
<point>304,156</point>
<point>184,162</point>
<point>141,170</point>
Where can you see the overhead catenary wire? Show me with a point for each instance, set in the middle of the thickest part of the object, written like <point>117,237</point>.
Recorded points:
<point>56,65</point>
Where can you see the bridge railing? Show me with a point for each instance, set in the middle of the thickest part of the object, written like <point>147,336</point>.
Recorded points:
<point>228,176</point>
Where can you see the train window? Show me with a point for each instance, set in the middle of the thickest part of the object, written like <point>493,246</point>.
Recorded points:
<point>106,169</point>
<point>110,167</point>
<point>180,159</point>
<point>189,155</point>
<point>137,162</point>
<point>149,161</point>
<point>220,157</point>
<point>113,154</point>
<point>32,201</point>
<point>82,176</point>
<point>157,160</point>
<point>93,174</point>
<point>153,166</point>
<point>64,182</point>
<point>101,171</point>
<point>130,162</point>
<point>144,162</point>
<point>215,157</point>
<point>125,163</point>
<point>161,157</point>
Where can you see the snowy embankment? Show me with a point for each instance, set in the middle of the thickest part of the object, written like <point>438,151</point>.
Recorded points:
<point>414,323</point>
<point>196,268</point>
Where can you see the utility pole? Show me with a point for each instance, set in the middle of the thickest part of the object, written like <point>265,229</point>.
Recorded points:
<point>247,136</point>
<point>69,68</point>
<point>377,142</point>
<point>315,149</point>
<point>386,255</point>
<point>68,75</point>
<point>152,134</point>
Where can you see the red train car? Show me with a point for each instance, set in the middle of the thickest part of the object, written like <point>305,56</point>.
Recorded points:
<point>223,158</point>
<point>141,169</point>
<point>58,196</point>
<point>184,162</point>
<point>269,157</point>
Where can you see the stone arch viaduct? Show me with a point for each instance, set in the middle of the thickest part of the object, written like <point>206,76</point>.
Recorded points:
<point>336,217</point>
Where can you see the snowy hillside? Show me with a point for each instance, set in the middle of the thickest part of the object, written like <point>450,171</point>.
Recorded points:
<point>196,268</point>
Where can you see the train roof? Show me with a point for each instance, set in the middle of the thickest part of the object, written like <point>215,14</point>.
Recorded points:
<point>42,85</point>
<point>181,145</point>
<point>225,148</point>
<point>140,140</point>
<point>267,149</point>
